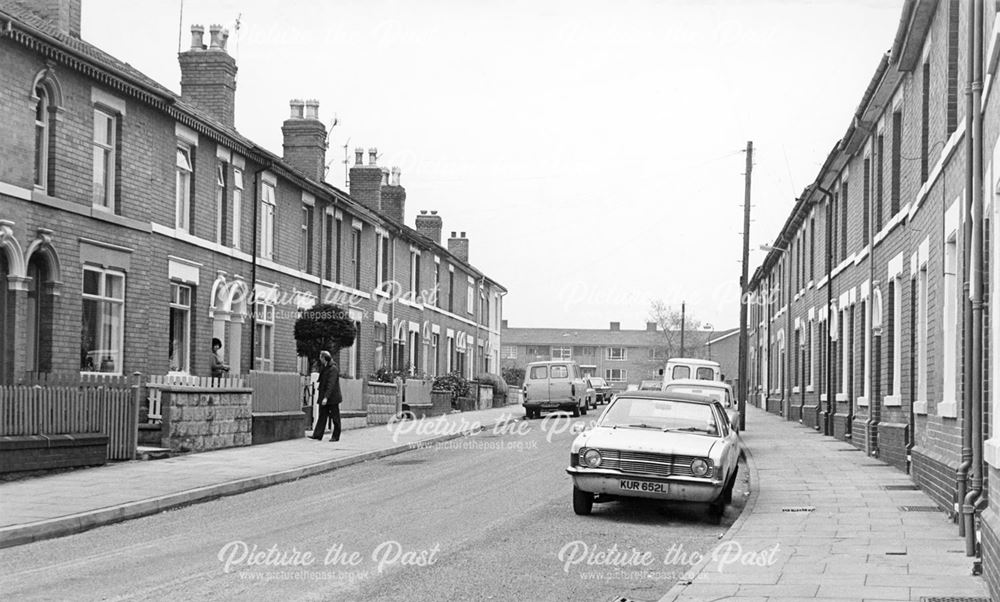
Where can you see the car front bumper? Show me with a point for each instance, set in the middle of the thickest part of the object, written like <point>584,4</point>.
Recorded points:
<point>613,482</point>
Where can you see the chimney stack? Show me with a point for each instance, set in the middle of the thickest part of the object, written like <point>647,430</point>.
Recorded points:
<point>651,326</point>
<point>305,139</point>
<point>430,225</point>
<point>63,14</point>
<point>459,246</point>
<point>208,75</point>
<point>393,196</point>
<point>366,180</point>
<point>616,326</point>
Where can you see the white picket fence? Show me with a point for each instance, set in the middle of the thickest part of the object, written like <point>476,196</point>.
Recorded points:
<point>156,382</point>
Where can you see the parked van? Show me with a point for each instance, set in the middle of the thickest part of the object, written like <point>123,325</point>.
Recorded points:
<point>684,368</point>
<point>554,385</point>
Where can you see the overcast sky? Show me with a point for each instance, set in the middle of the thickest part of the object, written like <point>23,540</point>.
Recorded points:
<point>592,150</point>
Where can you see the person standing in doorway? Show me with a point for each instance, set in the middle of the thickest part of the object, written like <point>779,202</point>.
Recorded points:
<point>219,368</point>
<point>329,397</point>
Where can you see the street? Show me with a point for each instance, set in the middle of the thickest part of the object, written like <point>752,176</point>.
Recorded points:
<point>481,517</point>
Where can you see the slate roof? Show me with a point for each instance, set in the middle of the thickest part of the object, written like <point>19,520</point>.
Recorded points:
<point>600,337</point>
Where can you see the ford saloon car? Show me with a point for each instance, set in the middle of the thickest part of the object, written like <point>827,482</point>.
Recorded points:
<point>659,445</point>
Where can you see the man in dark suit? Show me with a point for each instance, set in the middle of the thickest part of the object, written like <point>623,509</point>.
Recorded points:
<point>329,397</point>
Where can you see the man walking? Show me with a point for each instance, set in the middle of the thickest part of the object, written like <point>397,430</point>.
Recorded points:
<point>329,397</point>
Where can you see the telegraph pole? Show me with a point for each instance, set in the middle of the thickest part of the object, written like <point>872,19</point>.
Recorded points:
<point>682,329</point>
<point>743,352</point>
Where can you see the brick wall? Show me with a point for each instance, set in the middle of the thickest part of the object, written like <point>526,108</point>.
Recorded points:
<point>198,419</point>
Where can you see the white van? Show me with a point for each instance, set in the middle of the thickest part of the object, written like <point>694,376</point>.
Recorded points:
<point>555,385</point>
<point>685,368</point>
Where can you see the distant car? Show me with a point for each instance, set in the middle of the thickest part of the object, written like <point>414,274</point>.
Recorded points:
<point>719,391</point>
<point>554,385</point>
<point>602,390</point>
<point>650,385</point>
<point>660,445</point>
<point>632,387</point>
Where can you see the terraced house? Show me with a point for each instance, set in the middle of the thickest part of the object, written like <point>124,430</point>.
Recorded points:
<point>137,224</point>
<point>871,316</point>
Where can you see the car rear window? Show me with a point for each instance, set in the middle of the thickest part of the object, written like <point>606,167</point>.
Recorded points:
<point>705,374</point>
<point>681,372</point>
<point>539,372</point>
<point>715,394</point>
<point>559,371</point>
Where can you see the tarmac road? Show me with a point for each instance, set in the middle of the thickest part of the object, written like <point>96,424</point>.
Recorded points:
<point>486,517</point>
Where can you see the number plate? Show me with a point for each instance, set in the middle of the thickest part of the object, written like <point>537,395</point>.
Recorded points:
<point>645,486</point>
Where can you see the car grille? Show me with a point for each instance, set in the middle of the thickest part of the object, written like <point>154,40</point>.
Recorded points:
<point>646,463</point>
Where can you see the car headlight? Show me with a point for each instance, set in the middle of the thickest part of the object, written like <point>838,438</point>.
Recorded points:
<point>592,458</point>
<point>699,467</point>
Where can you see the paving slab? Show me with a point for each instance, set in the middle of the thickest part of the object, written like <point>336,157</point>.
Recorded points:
<point>855,543</point>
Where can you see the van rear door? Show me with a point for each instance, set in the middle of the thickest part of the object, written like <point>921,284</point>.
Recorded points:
<point>560,382</point>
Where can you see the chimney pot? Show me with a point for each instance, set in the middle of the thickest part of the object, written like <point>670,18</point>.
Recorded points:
<point>296,108</point>
<point>651,326</point>
<point>453,235</point>
<point>359,156</point>
<point>394,178</point>
<point>197,37</point>
<point>423,212</point>
<point>385,176</point>
<point>216,35</point>
<point>312,109</point>
<point>434,212</point>
<point>463,235</point>
<point>224,39</point>
<point>372,156</point>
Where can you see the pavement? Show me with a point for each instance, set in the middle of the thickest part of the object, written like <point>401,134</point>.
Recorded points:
<point>823,523</point>
<point>71,502</point>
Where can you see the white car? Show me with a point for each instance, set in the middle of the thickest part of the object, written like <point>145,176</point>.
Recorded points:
<point>660,445</point>
<point>717,390</point>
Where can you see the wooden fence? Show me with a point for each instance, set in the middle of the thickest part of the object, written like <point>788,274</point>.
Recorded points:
<point>155,382</point>
<point>65,404</point>
<point>276,391</point>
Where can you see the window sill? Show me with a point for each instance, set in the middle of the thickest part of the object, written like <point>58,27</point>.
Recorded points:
<point>948,409</point>
<point>822,396</point>
<point>809,389</point>
<point>796,390</point>
<point>991,452</point>
<point>892,401</point>
<point>841,397</point>
<point>862,401</point>
<point>920,408</point>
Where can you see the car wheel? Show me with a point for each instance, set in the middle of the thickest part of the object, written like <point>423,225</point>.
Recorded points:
<point>576,411</point>
<point>727,493</point>
<point>527,414</point>
<point>717,508</point>
<point>584,409</point>
<point>583,502</point>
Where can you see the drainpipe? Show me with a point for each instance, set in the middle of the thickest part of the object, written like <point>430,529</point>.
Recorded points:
<point>830,395</point>
<point>253,266</point>
<point>976,470</point>
<point>786,401</point>
<point>962,473</point>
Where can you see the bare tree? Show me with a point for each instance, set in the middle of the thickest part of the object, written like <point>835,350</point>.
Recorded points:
<point>668,322</point>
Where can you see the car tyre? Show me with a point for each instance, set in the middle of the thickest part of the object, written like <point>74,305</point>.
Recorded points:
<point>576,411</point>
<point>717,508</point>
<point>583,501</point>
<point>727,493</point>
<point>584,409</point>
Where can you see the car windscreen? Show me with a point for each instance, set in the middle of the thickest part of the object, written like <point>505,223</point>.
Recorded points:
<point>681,372</point>
<point>559,371</point>
<point>597,382</point>
<point>539,372</point>
<point>633,412</point>
<point>705,374</point>
<point>716,394</point>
